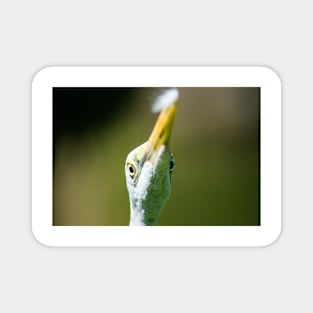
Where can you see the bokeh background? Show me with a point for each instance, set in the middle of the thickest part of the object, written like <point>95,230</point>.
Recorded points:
<point>215,143</point>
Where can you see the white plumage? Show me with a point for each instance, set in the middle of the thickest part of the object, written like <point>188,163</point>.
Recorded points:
<point>167,98</point>
<point>149,167</point>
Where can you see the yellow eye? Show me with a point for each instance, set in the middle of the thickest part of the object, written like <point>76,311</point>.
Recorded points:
<point>131,170</point>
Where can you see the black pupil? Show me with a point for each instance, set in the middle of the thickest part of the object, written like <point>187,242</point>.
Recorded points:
<point>171,165</point>
<point>131,169</point>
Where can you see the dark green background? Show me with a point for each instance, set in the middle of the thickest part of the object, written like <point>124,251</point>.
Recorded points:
<point>215,142</point>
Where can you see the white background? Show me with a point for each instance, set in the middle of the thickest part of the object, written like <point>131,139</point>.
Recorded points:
<point>35,34</point>
<point>124,236</point>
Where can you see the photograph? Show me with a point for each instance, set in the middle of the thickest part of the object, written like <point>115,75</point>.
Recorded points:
<point>156,156</point>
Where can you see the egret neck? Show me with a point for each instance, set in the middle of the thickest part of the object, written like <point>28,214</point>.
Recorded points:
<point>149,167</point>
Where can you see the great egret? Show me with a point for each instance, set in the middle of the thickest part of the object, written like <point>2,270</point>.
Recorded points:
<point>149,167</point>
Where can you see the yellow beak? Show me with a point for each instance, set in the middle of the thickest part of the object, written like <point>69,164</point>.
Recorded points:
<point>161,133</point>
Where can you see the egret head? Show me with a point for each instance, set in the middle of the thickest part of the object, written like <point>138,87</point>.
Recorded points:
<point>149,167</point>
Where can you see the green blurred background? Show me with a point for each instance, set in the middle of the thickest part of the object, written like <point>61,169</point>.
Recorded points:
<point>215,143</point>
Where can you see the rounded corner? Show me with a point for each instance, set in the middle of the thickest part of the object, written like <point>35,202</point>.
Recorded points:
<point>39,240</point>
<point>39,73</point>
<point>273,239</point>
<point>273,74</point>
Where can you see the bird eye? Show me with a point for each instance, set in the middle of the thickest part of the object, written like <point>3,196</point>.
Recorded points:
<point>131,170</point>
<point>172,165</point>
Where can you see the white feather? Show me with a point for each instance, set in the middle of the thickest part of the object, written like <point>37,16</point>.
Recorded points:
<point>167,98</point>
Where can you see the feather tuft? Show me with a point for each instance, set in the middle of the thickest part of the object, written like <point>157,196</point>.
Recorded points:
<point>166,99</point>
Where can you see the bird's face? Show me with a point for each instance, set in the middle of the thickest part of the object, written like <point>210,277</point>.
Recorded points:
<point>148,171</point>
<point>149,181</point>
